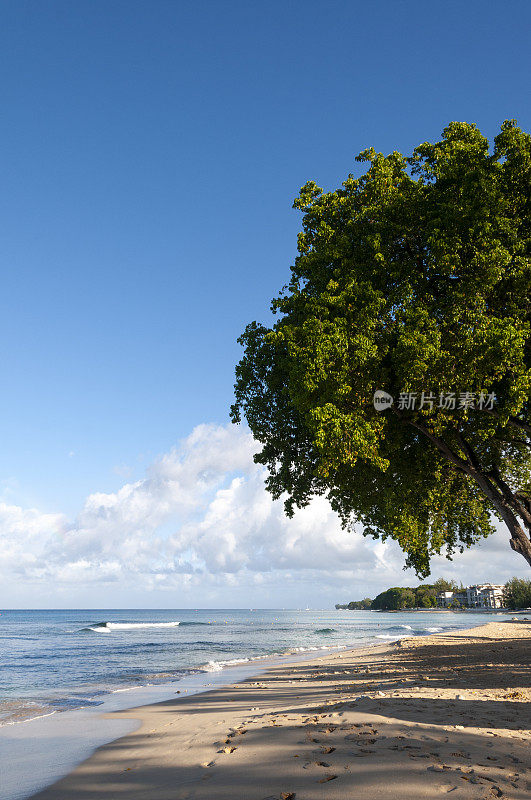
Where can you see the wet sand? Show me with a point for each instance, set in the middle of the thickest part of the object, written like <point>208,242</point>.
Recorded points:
<point>441,714</point>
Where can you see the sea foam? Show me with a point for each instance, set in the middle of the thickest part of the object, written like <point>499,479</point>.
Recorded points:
<point>216,666</point>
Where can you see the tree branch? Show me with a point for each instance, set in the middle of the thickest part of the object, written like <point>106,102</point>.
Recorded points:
<point>513,421</point>
<point>459,462</point>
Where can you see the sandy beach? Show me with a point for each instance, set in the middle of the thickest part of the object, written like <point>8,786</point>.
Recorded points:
<point>441,714</point>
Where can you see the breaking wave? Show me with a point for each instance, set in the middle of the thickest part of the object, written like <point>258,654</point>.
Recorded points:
<point>107,627</point>
<point>216,666</point>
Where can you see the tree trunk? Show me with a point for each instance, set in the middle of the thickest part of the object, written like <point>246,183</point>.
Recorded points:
<point>510,505</point>
<point>520,543</point>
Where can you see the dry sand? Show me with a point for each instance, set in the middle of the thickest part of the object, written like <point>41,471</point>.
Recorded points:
<point>445,714</point>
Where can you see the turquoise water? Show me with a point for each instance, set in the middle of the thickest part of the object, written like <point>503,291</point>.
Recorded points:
<point>54,661</point>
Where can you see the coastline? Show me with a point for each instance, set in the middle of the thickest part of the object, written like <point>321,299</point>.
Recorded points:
<point>349,723</point>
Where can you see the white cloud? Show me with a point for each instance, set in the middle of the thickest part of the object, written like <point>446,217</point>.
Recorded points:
<point>200,524</point>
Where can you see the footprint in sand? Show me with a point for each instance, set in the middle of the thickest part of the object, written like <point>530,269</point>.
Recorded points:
<point>232,734</point>
<point>283,796</point>
<point>228,750</point>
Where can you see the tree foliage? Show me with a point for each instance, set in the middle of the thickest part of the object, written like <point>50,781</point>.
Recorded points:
<point>414,277</point>
<point>425,596</point>
<point>394,599</point>
<point>356,605</point>
<point>442,585</point>
<point>517,593</point>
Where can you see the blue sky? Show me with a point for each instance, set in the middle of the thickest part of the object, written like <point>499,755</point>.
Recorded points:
<point>150,155</point>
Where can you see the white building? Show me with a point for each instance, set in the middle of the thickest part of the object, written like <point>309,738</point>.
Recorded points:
<point>485,595</point>
<point>444,599</point>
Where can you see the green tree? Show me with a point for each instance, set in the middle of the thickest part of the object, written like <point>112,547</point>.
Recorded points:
<point>442,585</point>
<point>517,593</point>
<point>359,605</point>
<point>425,596</point>
<point>394,599</point>
<point>414,277</point>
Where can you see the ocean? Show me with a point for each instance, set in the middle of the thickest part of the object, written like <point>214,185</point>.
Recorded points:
<point>58,669</point>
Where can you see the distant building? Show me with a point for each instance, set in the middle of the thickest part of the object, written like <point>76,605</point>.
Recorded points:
<point>485,595</point>
<point>444,599</point>
<point>460,599</point>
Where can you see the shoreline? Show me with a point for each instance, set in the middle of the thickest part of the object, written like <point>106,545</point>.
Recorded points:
<point>47,705</point>
<point>195,675</point>
<point>299,728</point>
<point>82,731</point>
<point>18,710</point>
